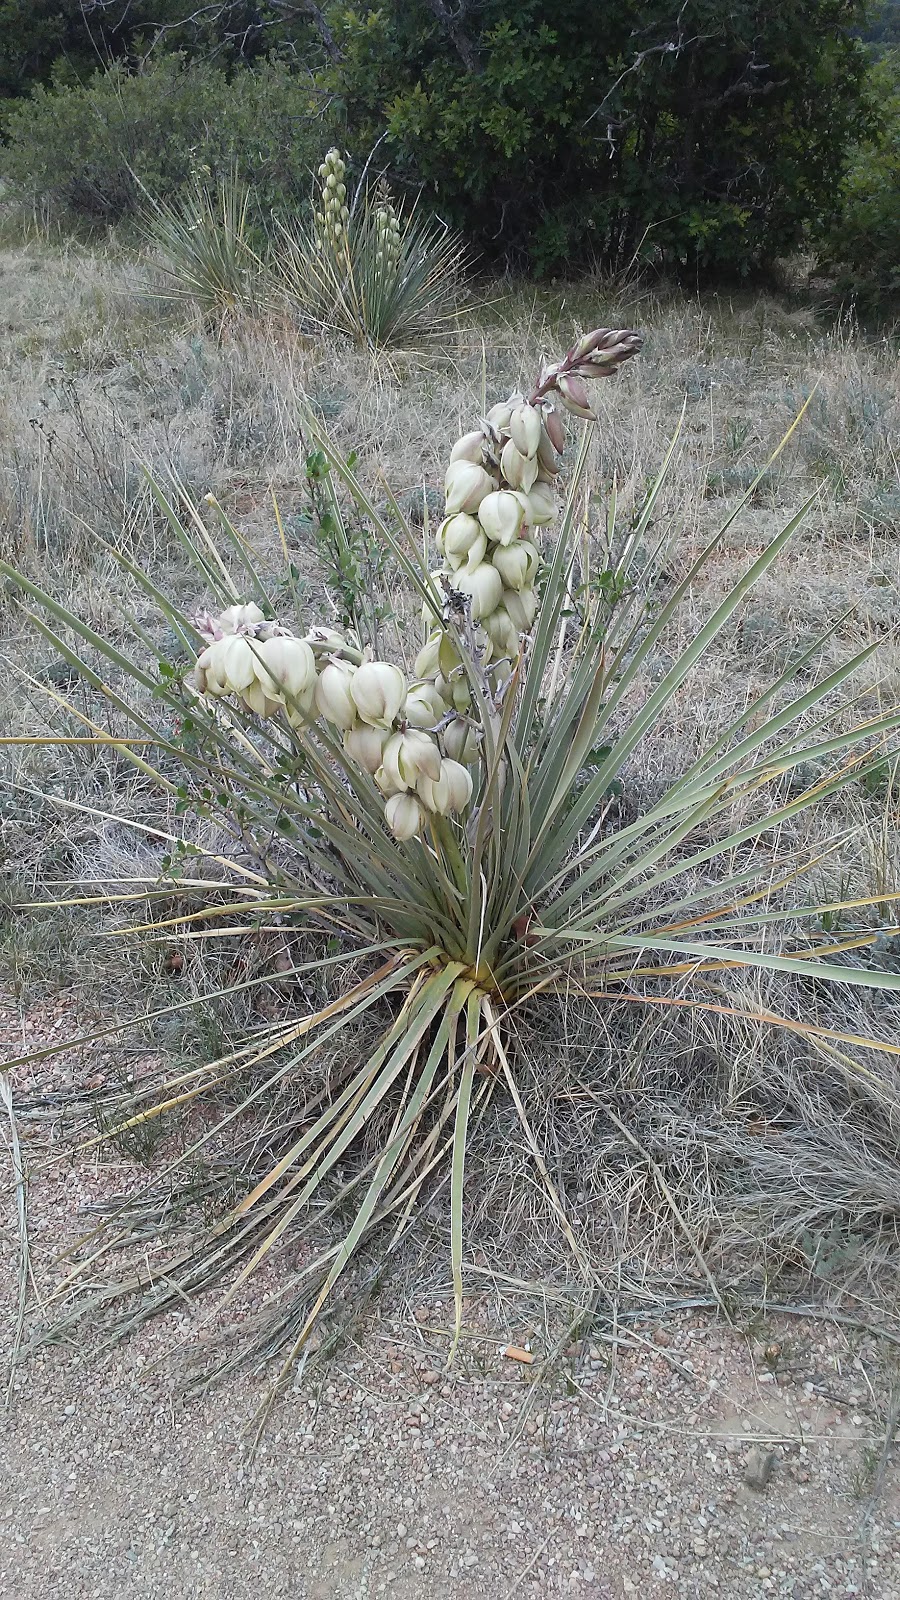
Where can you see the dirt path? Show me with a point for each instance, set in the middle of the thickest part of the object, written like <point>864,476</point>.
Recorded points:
<point>672,1452</point>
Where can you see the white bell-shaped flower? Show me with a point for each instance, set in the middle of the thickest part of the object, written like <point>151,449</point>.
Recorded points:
<point>501,516</point>
<point>365,745</point>
<point>378,690</point>
<point>333,693</point>
<point>403,815</point>
<point>517,564</point>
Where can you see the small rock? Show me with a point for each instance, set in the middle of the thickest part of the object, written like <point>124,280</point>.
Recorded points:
<point>758,1467</point>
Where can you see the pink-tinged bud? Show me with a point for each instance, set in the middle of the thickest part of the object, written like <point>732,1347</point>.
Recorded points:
<point>604,348</point>
<point>468,448</point>
<point>548,460</point>
<point>556,429</point>
<point>518,470</point>
<point>525,430</point>
<point>574,396</point>
<point>403,815</point>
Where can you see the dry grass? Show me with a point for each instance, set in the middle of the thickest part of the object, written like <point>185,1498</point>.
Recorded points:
<point>764,1155</point>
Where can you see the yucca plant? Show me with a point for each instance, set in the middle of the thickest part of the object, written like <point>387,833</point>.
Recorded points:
<point>377,274</point>
<point>448,828</point>
<point>204,241</point>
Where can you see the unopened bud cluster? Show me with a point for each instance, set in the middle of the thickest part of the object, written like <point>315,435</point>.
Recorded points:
<point>416,738</point>
<point>333,217</point>
<point>388,236</point>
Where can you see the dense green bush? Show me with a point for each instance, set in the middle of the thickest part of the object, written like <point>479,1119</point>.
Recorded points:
<point>863,246</point>
<point>557,131</point>
<point>83,151</point>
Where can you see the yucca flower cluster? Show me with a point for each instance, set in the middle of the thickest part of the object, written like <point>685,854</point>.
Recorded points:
<point>417,738</point>
<point>333,218</point>
<point>499,490</point>
<point>388,236</point>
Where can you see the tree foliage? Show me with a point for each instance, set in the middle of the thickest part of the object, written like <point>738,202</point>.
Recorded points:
<point>862,247</point>
<point>702,136</point>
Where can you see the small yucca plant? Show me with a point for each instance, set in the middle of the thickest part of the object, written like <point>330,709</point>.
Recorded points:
<point>204,243</point>
<point>449,828</point>
<point>378,274</point>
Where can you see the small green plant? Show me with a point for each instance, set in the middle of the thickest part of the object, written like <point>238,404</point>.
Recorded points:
<point>444,836</point>
<point>368,270</point>
<point>203,242</point>
<point>357,564</point>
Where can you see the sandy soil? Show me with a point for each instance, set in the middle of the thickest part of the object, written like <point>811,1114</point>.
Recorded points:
<point>673,1451</point>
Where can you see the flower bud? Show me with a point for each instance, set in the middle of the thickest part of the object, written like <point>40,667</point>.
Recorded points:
<point>525,430</point>
<point>556,429</point>
<point>548,460</point>
<point>333,693</point>
<point>423,706</point>
<point>465,486</point>
<point>518,470</point>
<point>407,757</point>
<point>460,740</point>
<point>483,586</point>
<point>517,564</point>
<point>403,815</point>
<point>520,606</point>
<point>468,448</point>
<point>365,745</point>
<point>541,505</point>
<point>574,396</point>
<point>378,690</point>
<point>500,515</point>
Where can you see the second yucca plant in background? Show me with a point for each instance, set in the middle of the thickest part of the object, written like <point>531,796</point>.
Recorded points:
<point>368,269</point>
<point>447,821</point>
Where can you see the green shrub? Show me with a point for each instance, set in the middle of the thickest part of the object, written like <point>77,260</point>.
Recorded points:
<point>555,138</point>
<point>88,151</point>
<point>863,246</point>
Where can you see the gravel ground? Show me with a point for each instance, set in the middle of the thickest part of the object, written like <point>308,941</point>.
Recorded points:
<point>675,1451</point>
